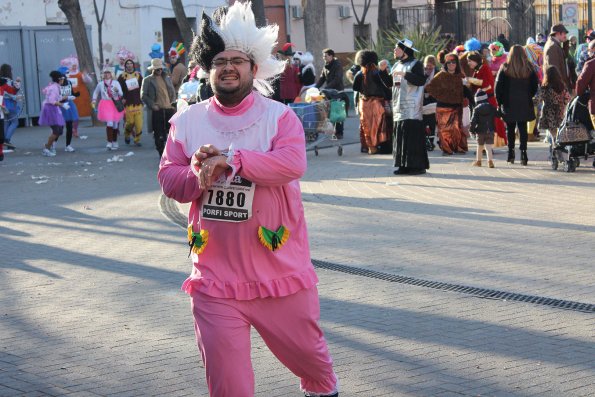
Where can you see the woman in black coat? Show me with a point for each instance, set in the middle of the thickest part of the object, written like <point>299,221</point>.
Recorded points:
<point>516,85</point>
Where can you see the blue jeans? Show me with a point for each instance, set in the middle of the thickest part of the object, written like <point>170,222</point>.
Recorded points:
<point>11,122</point>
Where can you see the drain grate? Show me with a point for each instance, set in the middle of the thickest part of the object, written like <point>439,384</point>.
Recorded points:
<point>170,209</point>
<point>475,291</point>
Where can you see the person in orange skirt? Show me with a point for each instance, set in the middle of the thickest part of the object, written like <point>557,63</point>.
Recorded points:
<point>372,84</point>
<point>78,80</point>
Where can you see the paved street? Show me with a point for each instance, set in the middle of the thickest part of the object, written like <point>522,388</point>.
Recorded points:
<point>93,259</point>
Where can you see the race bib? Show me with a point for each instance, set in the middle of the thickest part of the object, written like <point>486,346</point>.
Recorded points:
<point>132,84</point>
<point>229,204</point>
<point>74,81</point>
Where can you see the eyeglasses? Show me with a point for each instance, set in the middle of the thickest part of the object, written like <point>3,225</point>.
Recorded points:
<point>222,62</point>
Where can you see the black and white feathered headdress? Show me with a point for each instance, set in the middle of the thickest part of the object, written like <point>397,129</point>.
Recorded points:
<point>235,28</point>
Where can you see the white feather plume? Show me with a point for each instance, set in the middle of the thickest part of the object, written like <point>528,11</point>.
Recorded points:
<point>239,32</point>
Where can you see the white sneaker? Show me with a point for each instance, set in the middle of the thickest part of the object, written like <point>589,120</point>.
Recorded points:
<point>115,146</point>
<point>53,148</point>
<point>47,152</point>
<point>108,146</point>
<point>69,148</point>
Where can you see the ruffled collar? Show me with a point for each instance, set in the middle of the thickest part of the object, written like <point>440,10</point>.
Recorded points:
<point>237,118</point>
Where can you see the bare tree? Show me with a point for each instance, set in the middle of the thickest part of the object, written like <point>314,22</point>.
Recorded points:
<point>361,22</point>
<point>521,15</point>
<point>183,22</point>
<point>100,28</point>
<point>315,29</point>
<point>72,10</point>
<point>386,19</point>
<point>259,14</point>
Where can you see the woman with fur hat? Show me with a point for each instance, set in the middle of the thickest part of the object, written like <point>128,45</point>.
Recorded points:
<point>371,84</point>
<point>50,113</point>
<point>105,92</point>
<point>447,87</point>
<point>484,80</point>
<point>307,73</point>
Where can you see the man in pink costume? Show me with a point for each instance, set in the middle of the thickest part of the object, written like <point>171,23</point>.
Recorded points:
<point>237,158</point>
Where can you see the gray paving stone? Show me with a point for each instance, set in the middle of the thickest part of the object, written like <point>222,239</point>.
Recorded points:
<point>90,276</point>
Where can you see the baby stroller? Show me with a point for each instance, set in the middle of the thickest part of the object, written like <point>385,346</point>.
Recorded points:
<point>575,137</point>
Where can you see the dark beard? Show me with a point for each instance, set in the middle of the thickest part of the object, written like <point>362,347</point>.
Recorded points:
<point>232,96</point>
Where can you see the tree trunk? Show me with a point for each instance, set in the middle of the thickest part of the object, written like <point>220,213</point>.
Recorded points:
<point>100,28</point>
<point>183,23</point>
<point>72,10</point>
<point>385,15</point>
<point>315,29</point>
<point>259,15</point>
<point>521,17</point>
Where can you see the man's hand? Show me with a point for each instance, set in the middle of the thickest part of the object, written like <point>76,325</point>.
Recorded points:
<point>208,164</point>
<point>211,169</point>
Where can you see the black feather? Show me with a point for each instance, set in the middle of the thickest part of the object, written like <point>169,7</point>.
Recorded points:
<point>206,44</point>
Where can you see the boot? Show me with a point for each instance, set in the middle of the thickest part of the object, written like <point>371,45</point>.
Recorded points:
<point>510,156</point>
<point>490,164</point>
<point>476,163</point>
<point>109,132</point>
<point>524,158</point>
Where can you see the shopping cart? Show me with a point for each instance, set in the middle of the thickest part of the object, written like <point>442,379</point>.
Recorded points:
<point>316,123</point>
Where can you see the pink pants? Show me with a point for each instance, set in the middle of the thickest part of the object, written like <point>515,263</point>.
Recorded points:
<point>289,327</point>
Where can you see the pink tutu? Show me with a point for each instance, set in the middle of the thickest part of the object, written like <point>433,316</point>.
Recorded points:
<point>107,111</point>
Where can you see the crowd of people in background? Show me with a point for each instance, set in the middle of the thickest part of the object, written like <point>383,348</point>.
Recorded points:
<point>495,93</point>
<point>492,92</point>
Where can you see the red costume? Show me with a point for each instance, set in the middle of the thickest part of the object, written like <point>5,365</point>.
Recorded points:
<point>488,84</point>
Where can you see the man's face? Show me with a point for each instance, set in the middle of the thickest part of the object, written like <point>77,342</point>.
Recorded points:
<point>129,66</point>
<point>327,57</point>
<point>398,52</point>
<point>107,75</point>
<point>232,74</point>
<point>429,67</point>
<point>173,59</point>
<point>561,37</point>
<point>157,72</point>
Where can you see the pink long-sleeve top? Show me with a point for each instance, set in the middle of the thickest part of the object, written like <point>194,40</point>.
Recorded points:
<point>52,93</point>
<point>267,147</point>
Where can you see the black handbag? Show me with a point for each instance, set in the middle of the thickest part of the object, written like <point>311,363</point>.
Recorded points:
<point>117,102</point>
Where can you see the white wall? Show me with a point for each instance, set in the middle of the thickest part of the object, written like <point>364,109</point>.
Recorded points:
<point>134,24</point>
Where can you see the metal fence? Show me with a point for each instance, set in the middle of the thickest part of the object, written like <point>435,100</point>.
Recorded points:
<point>481,19</point>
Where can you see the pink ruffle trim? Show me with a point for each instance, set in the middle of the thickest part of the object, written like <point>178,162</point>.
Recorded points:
<point>251,290</point>
<point>324,387</point>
